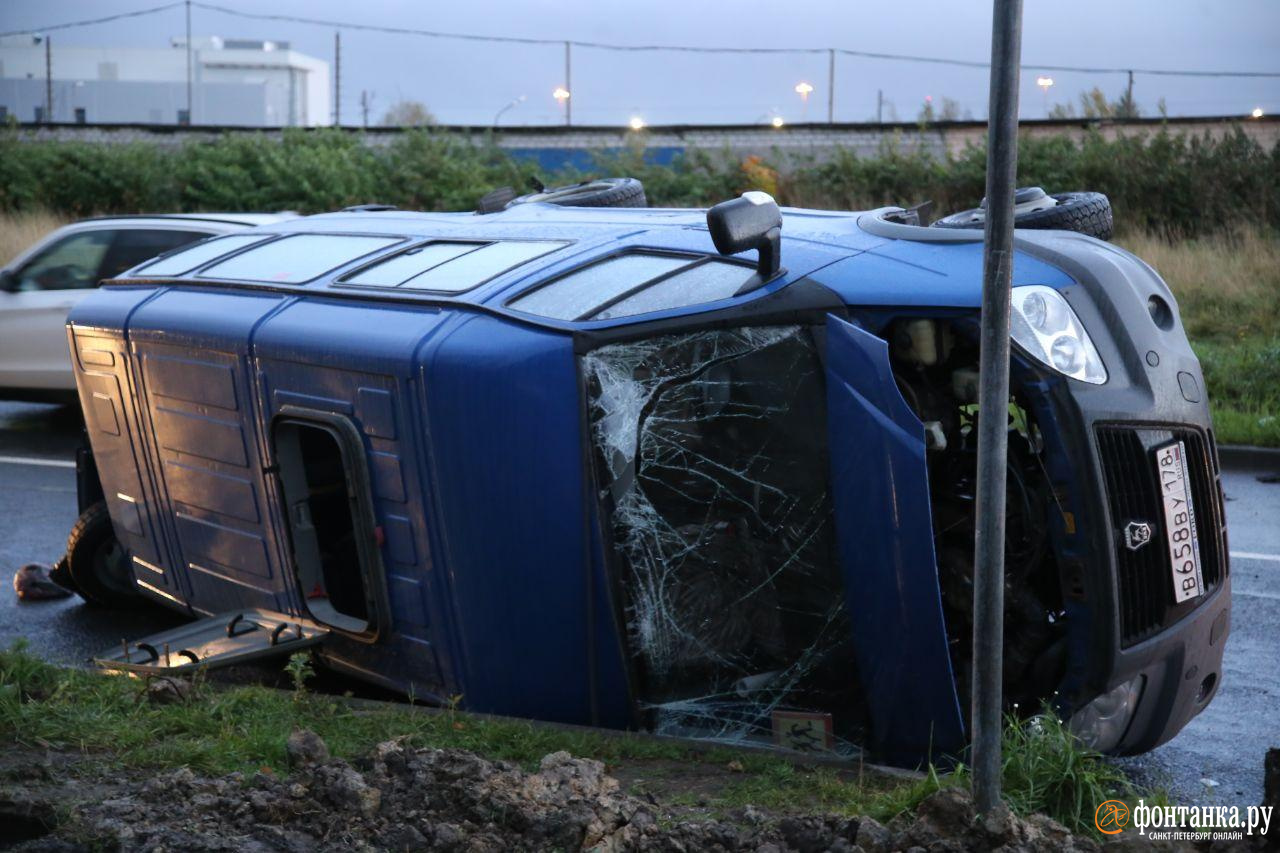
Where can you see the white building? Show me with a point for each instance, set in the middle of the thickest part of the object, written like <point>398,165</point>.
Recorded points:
<point>233,82</point>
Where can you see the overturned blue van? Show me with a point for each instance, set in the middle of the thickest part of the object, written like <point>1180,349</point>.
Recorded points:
<point>581,465</point>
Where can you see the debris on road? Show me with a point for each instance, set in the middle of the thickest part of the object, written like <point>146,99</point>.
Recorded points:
<point>32,583</point>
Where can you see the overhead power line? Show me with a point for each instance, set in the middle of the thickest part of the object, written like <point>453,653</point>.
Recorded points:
<point>90,21</point>
<point>637,48</point>
<point>597,45</point>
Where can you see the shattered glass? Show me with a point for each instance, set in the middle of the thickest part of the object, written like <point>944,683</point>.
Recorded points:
<point>713,448</point>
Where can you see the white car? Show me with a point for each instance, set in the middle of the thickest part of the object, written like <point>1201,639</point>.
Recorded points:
<point>40,286</point>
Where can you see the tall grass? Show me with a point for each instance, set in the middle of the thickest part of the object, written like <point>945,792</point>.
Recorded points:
<point>19,230</point>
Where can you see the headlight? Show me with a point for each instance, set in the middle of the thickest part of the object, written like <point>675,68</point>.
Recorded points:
<point>1044,325</point>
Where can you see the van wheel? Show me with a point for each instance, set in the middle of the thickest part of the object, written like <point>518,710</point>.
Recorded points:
<point>604,192</point>
<point>1085,212</point>
<point>97,562</point>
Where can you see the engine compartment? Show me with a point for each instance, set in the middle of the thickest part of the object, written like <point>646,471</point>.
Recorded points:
<point>936,367</point>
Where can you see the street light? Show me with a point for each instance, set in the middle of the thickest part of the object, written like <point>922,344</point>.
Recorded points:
<point>1257,112</point>
<point>514,103</point>
<point>777,121</point>
<point>561,94</point>
<point>803,89</point>
<point>1044,82</point>
<point>636,123</point>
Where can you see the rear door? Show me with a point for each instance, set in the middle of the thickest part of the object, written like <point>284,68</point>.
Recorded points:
<point>44,288</point>
<point>880,490</point>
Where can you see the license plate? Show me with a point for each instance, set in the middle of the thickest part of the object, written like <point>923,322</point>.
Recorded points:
<point>1179,522</point>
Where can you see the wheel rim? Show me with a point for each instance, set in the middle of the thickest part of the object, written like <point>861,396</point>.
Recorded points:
<point>111,567</point>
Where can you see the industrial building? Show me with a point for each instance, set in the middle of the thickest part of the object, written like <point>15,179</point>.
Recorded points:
<point>232,82</point>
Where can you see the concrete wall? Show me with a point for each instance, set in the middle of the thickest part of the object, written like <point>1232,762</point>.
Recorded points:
<point>557,146</point>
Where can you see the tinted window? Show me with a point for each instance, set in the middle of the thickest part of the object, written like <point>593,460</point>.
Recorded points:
<point>199,255</point>
<point>707,282</point>
<point>580,293</point>
<point>71,263</point>
<point>297,258</point>
<point>131,248</point>
<point>476,267</point>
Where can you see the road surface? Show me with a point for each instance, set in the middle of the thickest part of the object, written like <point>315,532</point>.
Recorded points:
<point>1216,759</point>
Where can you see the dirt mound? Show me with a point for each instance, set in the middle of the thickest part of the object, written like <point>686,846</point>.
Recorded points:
<point>402,798</point>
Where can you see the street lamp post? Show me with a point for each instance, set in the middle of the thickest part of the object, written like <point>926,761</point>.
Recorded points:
<point>514,103</point>
<point>1044,81</point>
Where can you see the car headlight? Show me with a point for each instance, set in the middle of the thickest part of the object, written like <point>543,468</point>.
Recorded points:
<point>1044,325</point>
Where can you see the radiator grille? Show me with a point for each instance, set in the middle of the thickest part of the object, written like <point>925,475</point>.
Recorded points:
<point>1145,578</point>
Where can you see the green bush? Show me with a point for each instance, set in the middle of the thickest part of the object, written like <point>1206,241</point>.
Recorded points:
<point>1177,184</point>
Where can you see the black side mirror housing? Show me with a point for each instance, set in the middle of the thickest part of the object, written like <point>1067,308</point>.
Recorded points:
<point>752,221</point>
<point>8,281</point>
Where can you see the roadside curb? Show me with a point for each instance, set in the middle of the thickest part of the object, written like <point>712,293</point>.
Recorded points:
<point>1242,455</point>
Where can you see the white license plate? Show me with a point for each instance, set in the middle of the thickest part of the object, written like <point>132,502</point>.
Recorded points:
<point>1179,522</point>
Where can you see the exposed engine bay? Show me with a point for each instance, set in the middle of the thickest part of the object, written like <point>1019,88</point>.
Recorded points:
<point>936,366</point>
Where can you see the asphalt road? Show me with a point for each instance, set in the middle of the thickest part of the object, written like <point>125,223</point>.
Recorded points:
<point>1217,758</point>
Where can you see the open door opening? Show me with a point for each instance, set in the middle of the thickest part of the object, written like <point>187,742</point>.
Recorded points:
<point>331,522</point>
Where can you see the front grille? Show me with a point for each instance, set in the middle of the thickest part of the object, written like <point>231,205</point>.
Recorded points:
<point>1145,578</point>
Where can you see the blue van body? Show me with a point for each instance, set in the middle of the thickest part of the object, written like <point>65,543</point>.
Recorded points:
<point>500,573</point>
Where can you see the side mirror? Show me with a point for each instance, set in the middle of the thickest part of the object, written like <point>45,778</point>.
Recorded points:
<point>8,281</point>
<point>752,221</point>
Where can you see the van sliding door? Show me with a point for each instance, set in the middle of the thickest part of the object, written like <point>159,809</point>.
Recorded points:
<point>333,531</point>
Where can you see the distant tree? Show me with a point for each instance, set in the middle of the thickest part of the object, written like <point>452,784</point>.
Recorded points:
<point>408,114</point>
<point>1094,104</point>
<point>947,109</point>
<point>1125,106</point>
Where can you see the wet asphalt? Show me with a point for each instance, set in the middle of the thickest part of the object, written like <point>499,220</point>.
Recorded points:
<point>1216,759</point>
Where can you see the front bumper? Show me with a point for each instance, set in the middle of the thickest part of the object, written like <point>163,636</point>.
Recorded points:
<point>1124,624</point>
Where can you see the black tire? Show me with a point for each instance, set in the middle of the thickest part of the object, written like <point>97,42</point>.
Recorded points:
<point>98,564</point>
<point>1085,212</point>
<point>604,192</point>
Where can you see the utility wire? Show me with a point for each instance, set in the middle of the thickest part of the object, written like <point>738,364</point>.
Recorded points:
<point>637,48</point>
<point>136,14</point>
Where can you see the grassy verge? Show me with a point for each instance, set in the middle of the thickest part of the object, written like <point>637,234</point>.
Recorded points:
<point>111,723</point>
<point>1228,291</point>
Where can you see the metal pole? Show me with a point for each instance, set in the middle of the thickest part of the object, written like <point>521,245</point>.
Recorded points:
<point>337,79</point>
<point>48,80</point>
<point>879,106</point>
<point>831,86</point>
<point>568,85</point>
<point>190,116</point>
<point>993,405</point>
<point>1128,105</point>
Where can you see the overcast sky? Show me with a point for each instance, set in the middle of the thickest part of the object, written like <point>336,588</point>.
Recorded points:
<point>467,82</point>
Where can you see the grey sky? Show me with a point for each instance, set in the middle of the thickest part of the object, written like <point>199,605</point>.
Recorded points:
<point>465,82</point>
